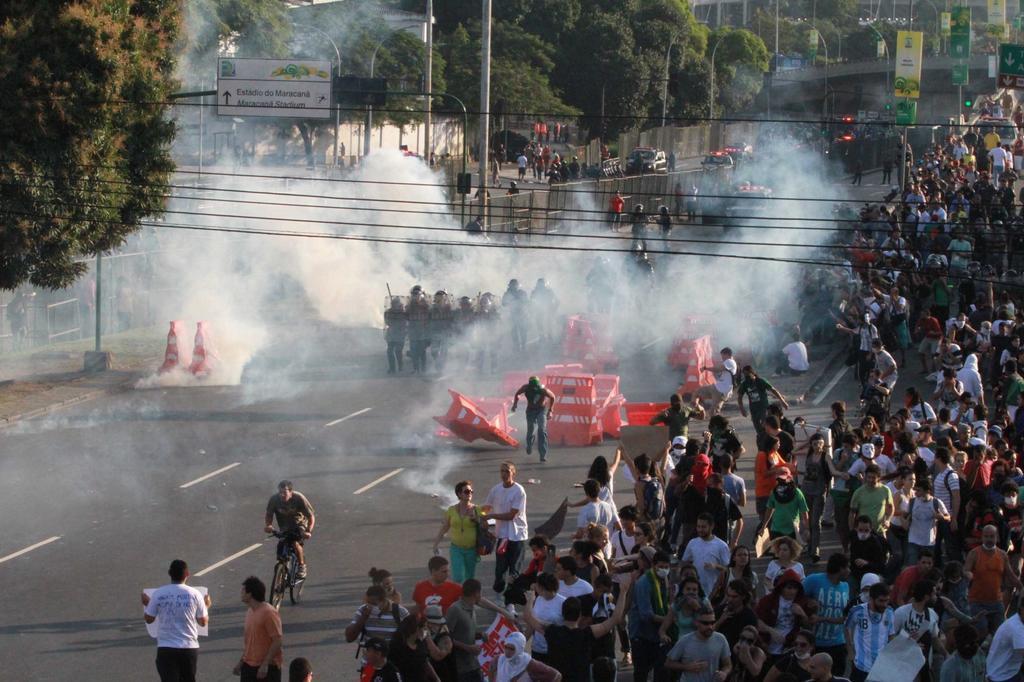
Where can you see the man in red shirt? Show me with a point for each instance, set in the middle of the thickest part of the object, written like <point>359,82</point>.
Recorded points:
<point>904,583</point>
<point>437,589</point>
<point>930,331</point>
<point>615,206</point>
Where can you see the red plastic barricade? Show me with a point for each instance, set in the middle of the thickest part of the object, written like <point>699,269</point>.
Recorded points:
<point>469,421</point>
<point>204,357</point>
<point>587,340</point>
<point>575,420</point>
<point>173,355</point>
<point>690,356</point>
<point>640,414</point>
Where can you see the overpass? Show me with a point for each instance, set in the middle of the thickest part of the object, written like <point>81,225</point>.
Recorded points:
<point>862,85</point>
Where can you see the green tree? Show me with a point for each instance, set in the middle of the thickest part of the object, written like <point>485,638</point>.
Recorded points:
<point>741,59</point>
<point>254,28</point>
<point>87,142</point>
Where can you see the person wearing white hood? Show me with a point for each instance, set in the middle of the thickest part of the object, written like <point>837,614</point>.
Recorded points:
<point>970,377</point>
<point>515,665</point>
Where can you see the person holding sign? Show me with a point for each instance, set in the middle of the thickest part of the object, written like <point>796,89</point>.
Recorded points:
<point>178,611</point>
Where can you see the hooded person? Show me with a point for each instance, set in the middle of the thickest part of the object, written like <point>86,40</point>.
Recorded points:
<point>510,665</point>
<point>784,610</point>
<point>970,377</point>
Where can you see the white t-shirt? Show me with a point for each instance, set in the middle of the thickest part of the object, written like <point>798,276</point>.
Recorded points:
<point>577,589</point>
<point>702,552</point>
<point>922,412</point>
<point>784,623</point>
<point>176,609</point>
<point>598,512</point>
<point>549,612</point>
<point>927,454</point>
<point>775,569</point>
<point>998,156</point>
<point>796,353</point>
<point>622,545</point>
<point>1004,656</point>
<point>922,528</point>
<point>884,462</point>
<point>907,618</point>
<point>503,500</point>
<point>723,383</point>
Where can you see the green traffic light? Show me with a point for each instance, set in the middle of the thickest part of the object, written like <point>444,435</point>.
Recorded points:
<point>968,102</point>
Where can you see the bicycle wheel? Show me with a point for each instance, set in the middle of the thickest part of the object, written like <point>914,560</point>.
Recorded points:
<point>295,585</point>
<point>278,584</point>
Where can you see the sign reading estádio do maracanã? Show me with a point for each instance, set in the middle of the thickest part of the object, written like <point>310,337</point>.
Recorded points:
<point>283,88</point>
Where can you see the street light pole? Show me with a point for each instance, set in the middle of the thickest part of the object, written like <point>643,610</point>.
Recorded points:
<point>428,81</point>
<point>337,67</point>
<point>711,90</point>
<point>369,107</point>
<point>664,85</point>
<point>485,101</point>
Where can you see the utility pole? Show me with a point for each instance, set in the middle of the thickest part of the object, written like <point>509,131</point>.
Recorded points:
<point>428,80</point>
<point>485,102</point>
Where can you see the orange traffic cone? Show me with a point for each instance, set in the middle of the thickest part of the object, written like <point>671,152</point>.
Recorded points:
<point>173,355</point>
<point>203,356</point>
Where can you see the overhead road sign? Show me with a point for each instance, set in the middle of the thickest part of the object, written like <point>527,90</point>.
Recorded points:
<point>1011,66</point>
<point>280,88</point>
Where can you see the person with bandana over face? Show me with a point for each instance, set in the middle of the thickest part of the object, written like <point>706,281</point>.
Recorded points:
<point>786,506</point>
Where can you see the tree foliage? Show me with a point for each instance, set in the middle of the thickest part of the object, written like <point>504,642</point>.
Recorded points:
<point>87,139</point>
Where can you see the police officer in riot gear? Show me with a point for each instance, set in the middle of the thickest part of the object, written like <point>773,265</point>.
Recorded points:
<point>515,301</point>
<point>396,324</point>
<point>418,312</point>
<point>545,308</point>
<point>442,323</point>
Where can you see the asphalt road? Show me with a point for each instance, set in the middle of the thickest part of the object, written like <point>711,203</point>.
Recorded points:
<point>99,498</point>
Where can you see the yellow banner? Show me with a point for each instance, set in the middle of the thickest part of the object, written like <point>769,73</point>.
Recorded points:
<point>944,24</point>
<point>996,17</point>
<point>908,63</point>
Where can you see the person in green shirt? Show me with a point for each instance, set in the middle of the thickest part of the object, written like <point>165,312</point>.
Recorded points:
<point>757,391</point>
<point>872,500</point>
<point>786,506</point>
<point>677,417</point>
<point>1013,386</point>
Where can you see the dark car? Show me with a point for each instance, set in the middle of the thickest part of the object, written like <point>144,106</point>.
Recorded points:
<point>646,160</point>
<point>738,151</point>
<point>716,160</point>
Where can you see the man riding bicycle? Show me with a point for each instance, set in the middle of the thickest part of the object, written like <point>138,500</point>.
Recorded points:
<point>295,517</point>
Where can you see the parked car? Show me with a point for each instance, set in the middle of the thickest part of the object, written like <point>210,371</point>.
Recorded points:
<point>716,160</point>
<point>646,160</point>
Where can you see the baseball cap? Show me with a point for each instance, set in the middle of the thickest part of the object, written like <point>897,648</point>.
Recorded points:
<point>913,425</point>
<point>679,442</point>
<point>378,644</point>
<point>434,614</point>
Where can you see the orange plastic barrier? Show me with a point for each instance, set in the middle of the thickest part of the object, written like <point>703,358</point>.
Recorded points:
<point>587,341</point>
<point>204,357</point>
<point>609,401</point>
<point>575,421</point>
<point>467,420</point>
<point>640,414</point>
<point>691,355</point>
<point>173,355</point>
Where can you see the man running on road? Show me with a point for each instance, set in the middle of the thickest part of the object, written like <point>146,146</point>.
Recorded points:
<point>295,514</point>
<point>536,415</point>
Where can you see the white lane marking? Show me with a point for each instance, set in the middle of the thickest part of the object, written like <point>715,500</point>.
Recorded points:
<point>29,548</point>
<point>379,480</point>
<point>209,475</point>
<point>228,559</point>
<point>830,385</point>
<point>651,343</point>
<point>348,416</point>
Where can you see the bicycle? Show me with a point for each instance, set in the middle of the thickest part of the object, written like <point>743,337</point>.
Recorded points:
<point>285,570</point>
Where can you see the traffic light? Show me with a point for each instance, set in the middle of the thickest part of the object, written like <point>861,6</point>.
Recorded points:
<point>968,101</point>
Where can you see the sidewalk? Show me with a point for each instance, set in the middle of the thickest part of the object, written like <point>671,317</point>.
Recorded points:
<point>34,382</point>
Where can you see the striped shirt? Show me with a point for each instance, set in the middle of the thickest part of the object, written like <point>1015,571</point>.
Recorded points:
<point>871,632</point>
<point>940,489</point>
<point>380,623</point>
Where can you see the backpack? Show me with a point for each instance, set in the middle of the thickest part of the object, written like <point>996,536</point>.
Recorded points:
<point>654,499</point>
<point>910,509</point>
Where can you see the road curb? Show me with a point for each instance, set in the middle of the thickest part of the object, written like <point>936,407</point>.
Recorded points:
<point>826,366</point>
<point>119,387</point>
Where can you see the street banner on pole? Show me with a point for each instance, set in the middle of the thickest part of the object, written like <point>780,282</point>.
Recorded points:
<point>944,23</point>
<point>908,63</point>
<point>961,74</point>
<point>960,33</point>
<point>997,18</point>
<point>812,44</point>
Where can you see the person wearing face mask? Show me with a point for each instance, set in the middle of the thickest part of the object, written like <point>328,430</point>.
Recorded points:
<point>515,664</point>
<point>970,378</point>
<point>869,551</point>
<point>796,661</point>
<point>919,620</point>
<point>648,608</point>
<point>439,644</point>
<point>786,506</point>
<point>967,663</point>
<point>683,611</point>
<point>988,568</point>
<point>783,611</point>
<point>1013,518</point>
<point>865,332</point>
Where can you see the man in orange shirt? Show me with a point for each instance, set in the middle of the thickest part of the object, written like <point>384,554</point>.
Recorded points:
<point>262,656</point>
<point>615,207</point>
<point>988,567</point>
<point>437,589</point>
<point>767,468</point>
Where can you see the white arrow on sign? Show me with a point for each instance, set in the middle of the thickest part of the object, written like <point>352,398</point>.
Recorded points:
<point>1009,59</point>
